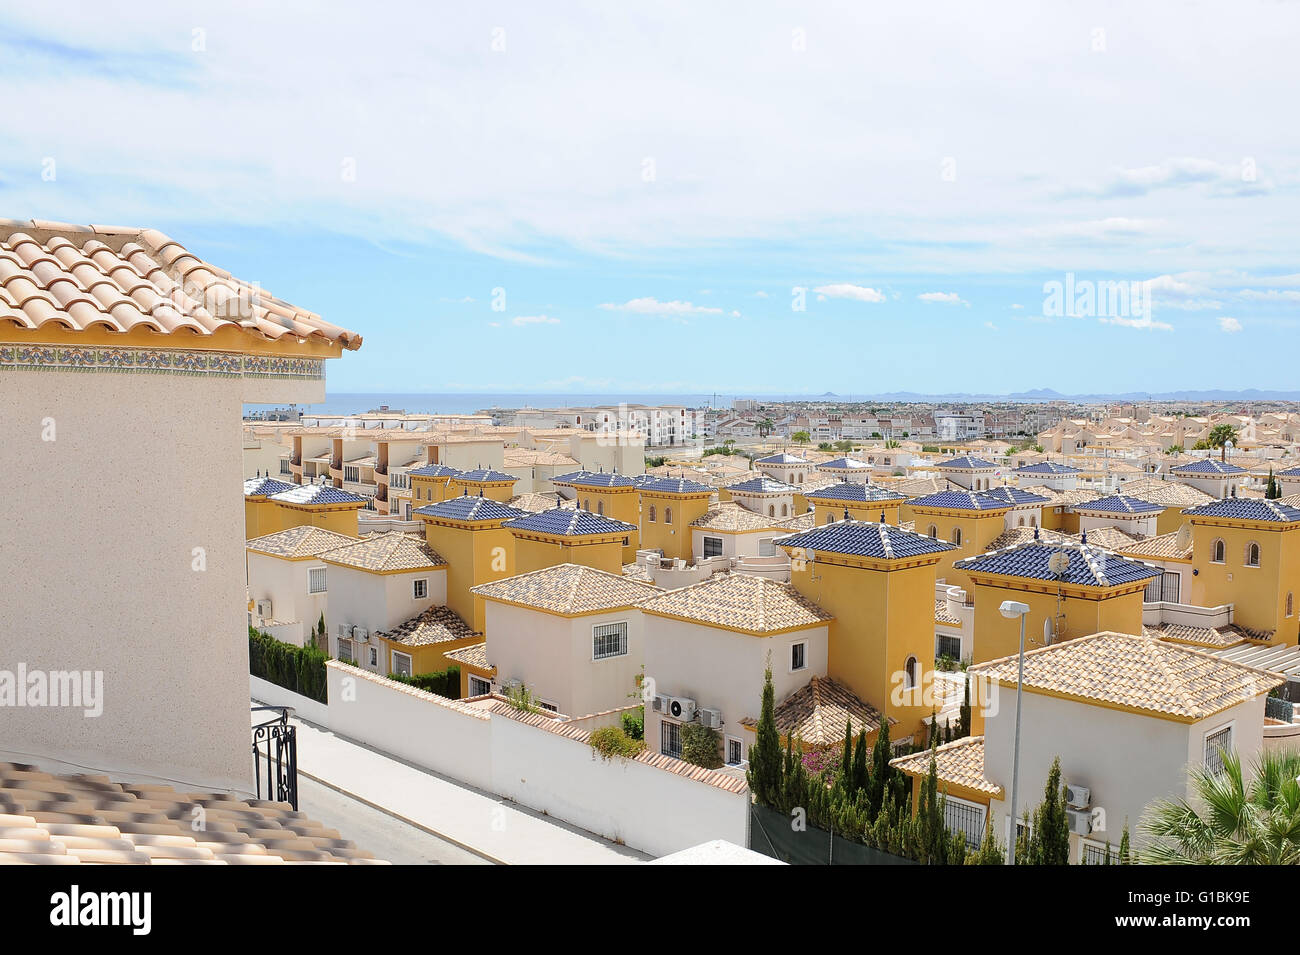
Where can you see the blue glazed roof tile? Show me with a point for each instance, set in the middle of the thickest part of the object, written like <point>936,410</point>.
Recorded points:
<point>1047,467</point>
<point>435,470</point>
<point>266,486</point>
<point>470,507</point>
<point>866,539</point>
<point>854,491</point>
<point>960,500</point>
<point>1247,509</point>
<point>1120,504</point>
<point>1015,496</point>
<point>317,494</point>
<point>601,479</point>
<point>843,464</point>
<point>1089,566</point>
<point>485,476</point>
<point>665,485</point>
<point>1207,466</point>
<point>781,458</point>
<point>568,522</point>
<point>967,463</point>
<point>762,485</point>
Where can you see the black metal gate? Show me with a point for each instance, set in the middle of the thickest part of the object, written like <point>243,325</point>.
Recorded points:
<point>275,757</point>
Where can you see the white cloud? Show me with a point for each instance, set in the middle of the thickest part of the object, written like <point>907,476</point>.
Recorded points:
<point>990,325</point>
<point>760,295</point>
<point>652,306</point>
<point>942,298</point>
<point>1145,321</point>
<point>534,320</point>
<point>1222,179</point>
<point>1228,324</point>
<point>858,293</point>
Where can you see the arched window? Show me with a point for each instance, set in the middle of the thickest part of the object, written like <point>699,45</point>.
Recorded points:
<point>1033,520</point>
<point>1020,521</point>
<point>600,507</point>
<point>586,503</point>
<point>956,536</point>
<point>799,478</point>
<point>1290,604</point>
<point>909,674</point>
<point>1252,554</point>
<point>771,510</point>
<point>830,517</point>
<point>785,510</point>
<point>668,515</point>
<point>652,513</point>
<point>1216,551</point>
<point>933,531</point>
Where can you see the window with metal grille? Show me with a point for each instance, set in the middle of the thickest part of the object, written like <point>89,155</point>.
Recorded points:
<point>549,707</point>
<point>420,588</point>
<point>374,657</point>
<point>1152,593</point>
<point>798,656</point>
<point>316,580</point>
<point>1169,587</point>
<point>345,650</point>
<point>609,640</point>
<point>734,751</point>
<point>670,739</point>
<point>1095,854</point>
<point>352,474</point>
<point>962,816</point>
<point>713,547</point>
<point>479,687</point>
<point>1216,744</point>
<point>945,646</point>
<point>402,663</point>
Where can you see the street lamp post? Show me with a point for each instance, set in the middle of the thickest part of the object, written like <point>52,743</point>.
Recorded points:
<point>1011,609</point>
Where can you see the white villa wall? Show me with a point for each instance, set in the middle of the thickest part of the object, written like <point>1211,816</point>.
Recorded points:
<point>142,580</point>
<point>645,807</point>
<point>285,583</point>
<point>379,601</point>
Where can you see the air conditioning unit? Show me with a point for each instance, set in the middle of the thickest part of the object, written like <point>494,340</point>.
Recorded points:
<point>1077,797</point>
<point>680,708</point>
<point>264,609</point>
<point>360,634</point>
<point>661,703</point>
<point>711,718</point>
<point>1080,821</point>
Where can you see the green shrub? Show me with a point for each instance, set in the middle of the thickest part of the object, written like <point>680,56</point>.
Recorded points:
<point>611,742</point>
<point>634,723</point>
<point>701,745</point>
<point>300,669</point>
<point>443,682</point>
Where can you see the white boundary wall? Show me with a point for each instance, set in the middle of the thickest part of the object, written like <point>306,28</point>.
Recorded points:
<point>628,801</point>
<point>304,707</point>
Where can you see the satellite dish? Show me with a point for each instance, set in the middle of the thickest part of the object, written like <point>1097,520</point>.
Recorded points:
<point>1059,563</point>
<point>1047,625</point>
<point>1184,538</point>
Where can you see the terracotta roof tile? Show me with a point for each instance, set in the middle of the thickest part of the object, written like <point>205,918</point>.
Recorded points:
<point>435,625</point>
<point>474,655</point>
<point>741,602</point>
<point>299,542</point>
<point>393,551</point>
<point>570,589</point>
<point>730,516</point>
<point>96,277</point>
<point>959,763</point>
<point>817,712</point>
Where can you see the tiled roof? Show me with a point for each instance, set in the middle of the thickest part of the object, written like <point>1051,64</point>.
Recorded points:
<point>818,711</point>
<point>1161,547</point>
<point>535,502</point>
<point>855,491</point>
<point>917,486</point>
<point>844,464</point>
<point>960,500</point>
<point>569,476</point>
<point>1135,671</point>
<point>265,486</point>
<point>1228,635</point>
<point>435,470</point>
<point>740,602</point>
<point>474,655</point>
<point>317,494</point>
<point>943,615</point>
<point>569,522</point>
<point>301,541</point>
<point>1245,509</point>
<point>1120,504</point>
<point>486,476</point>
<point>1047,467</point>
<point>1207,466</point>
<point>469,507</point>
<point>729,516</point>
<point>85,278</point>
<point>665,485</point>
<point>1108,538</point>
<point>799,522</point>
<point>1069,498</point>
<point>599,479</point>
<point>782,458</point>
<point>387,552</point>
<point>1289,472</point>
<point>966,463</point>
<point>1089,566</point>
<point>866,539</point>
<point>435,625</point>
<point>568,589</point>
<point>1166,493</point>
<point>82,819</point>
<point>528,457</point>
<point>762,485</point>
<point>959,763</point>
<point>1016,497</point>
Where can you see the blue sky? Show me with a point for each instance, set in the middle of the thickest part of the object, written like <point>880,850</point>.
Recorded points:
<point>643,192</point>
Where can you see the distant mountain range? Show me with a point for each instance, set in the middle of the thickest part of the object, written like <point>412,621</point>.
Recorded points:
<point>1048,394</point>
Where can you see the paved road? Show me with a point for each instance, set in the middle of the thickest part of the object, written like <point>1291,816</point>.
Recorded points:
<point>392,839</point>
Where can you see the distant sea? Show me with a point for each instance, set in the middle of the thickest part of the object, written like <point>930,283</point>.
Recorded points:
<point>468,403</point>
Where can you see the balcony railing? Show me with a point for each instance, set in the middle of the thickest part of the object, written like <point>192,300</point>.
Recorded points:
<point>275,757</point>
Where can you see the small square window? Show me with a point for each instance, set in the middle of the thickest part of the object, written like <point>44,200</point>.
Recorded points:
<point>798,656</point>
<point>420,589</point>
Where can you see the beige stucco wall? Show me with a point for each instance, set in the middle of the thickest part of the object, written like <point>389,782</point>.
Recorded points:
<point>98,553</point>
<point>552,655</point>
<point>378,601</point>
<point>724,669</point>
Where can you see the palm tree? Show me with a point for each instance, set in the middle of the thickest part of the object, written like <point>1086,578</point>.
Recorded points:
<point>766,427</point>
<point>1230,820</point>
<point>1219,437</point>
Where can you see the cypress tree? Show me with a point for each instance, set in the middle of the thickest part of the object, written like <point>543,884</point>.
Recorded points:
<point>990,853</point>
<point>860,778</point>
<point>1124,857</point>
<point>846,758</point>
<point>764,772</point>
<point>963,719</point>
<point>1049,843</point>
<point>880,775</point>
